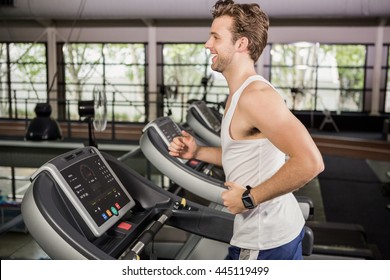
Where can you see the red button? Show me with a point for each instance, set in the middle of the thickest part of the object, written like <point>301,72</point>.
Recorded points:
<point>124,225</point>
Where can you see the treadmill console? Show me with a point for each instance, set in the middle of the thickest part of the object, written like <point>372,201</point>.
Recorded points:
<point>166,128</point>
<point>207,115</point>
<point>91,186</point>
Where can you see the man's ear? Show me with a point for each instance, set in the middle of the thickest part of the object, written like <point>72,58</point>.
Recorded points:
<point>242,44</point>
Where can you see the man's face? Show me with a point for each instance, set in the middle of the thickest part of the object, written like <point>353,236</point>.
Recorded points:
<point>220,43</point>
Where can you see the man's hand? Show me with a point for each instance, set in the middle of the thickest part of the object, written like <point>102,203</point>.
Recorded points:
<point>183,146</point>
<point>232,198</point>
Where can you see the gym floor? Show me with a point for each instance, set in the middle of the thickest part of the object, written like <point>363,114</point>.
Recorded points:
<point>20,246</point>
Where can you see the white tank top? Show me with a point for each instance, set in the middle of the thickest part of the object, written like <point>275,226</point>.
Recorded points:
<point>251,162</point>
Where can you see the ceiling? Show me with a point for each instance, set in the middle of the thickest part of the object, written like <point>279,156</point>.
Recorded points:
<point>152,11</point>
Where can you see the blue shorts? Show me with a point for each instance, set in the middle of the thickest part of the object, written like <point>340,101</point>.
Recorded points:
<point>289,251</point>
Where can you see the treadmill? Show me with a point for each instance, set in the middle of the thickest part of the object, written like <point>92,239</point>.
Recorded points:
<point>205,122</point>
<point>200,178</point>
<point>85,204</point>
<point>338,240</point>
<point>204,180</point>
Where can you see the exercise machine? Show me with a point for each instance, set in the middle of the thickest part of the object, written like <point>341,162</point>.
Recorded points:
<point>200,178</point>
<point>85,204</point>
<point>205,122</point>
<point>336,240</point>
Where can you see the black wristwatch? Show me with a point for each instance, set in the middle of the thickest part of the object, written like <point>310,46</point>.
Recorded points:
<point>247,198</point>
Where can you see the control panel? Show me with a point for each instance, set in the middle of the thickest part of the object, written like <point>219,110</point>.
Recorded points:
<point>207,115</point>
<point>91,186</point>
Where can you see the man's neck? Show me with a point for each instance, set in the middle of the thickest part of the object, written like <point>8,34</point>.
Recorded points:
<point>236,78</point>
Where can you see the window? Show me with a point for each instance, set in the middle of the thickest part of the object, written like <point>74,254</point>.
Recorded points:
<point>387,95</point>
<point>23,79</point>
<point>14,181</point>
<point>319,77</point>
<point>116,69</point>
<point>187,75</point>
<point>350,62</point>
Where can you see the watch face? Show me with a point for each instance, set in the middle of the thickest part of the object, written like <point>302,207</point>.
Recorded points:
<point>247,202</point>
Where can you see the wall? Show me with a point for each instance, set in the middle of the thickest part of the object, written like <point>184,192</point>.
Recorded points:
<point>278,34</point>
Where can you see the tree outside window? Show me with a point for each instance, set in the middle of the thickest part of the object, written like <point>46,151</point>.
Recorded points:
<point>119,69</point>
<point>23,67</point>
<point>314,77</point>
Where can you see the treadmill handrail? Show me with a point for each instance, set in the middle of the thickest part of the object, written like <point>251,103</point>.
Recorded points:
<point>178,163</point>
<point>203,182</point>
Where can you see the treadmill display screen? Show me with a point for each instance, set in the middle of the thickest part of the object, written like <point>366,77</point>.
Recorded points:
<point>96,188</point>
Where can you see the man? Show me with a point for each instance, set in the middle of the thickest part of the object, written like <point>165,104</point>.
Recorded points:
<point>257,133</point>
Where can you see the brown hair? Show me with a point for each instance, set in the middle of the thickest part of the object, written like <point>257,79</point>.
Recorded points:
<point>248,21</point>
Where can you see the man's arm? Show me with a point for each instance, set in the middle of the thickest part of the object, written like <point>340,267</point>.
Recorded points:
<point>186,147</point>
<point>267,112</point>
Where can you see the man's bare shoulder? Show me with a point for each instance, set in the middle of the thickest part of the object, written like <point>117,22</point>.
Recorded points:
<point>256,92</point>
